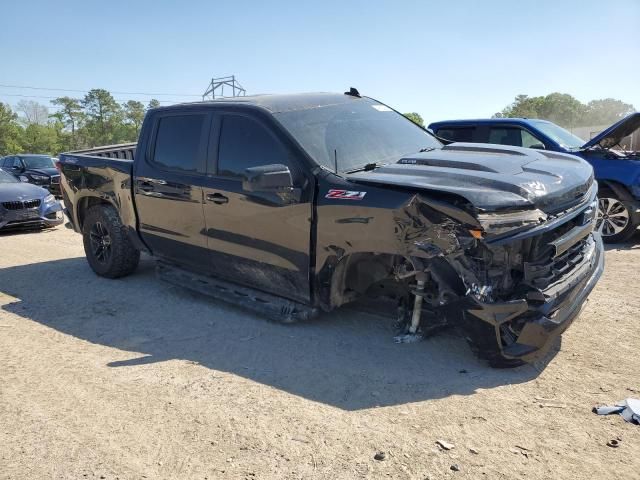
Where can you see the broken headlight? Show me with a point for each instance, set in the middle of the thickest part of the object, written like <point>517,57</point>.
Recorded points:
<point>500,223</point>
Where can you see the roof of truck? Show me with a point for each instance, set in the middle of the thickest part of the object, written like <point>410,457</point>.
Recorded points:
<point>484,121</point>
<point>280,102</point>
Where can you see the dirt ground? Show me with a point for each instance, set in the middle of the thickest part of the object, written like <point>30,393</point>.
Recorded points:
<point>134,378</point>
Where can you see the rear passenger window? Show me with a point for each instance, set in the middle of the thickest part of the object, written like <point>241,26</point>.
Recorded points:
<point>505,136</point>
<point>512,136</point>
<point>245,143</point>
<point>179,144</point>
<point>457,134</point>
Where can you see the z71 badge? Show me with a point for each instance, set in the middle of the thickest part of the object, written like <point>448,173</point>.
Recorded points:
<point>345,194</point>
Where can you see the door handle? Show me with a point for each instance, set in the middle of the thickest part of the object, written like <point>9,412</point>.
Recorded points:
<point>147,188</point>
<point>217,198</point>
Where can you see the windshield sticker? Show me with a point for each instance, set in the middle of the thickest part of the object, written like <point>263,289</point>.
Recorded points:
<point>345,194</point>
<point>382,108</point>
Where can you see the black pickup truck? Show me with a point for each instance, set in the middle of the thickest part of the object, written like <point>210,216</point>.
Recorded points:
<point>296,204</point>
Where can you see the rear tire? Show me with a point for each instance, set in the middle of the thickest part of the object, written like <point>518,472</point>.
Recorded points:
<point>616,221</point>
<point>107,246</point>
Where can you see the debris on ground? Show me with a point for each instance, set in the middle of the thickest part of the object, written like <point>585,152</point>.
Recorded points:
<point>474,451</point>
<point>519,450</point>
<point>408,338</point>
<point>380,456</point>
<point>614,443</point>
<point>455,467</point>
<point>628,409</point>
<point>445,445</point>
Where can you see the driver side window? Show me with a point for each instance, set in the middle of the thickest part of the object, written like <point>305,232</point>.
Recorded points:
<point>245,143</point>
<point>528,140</point>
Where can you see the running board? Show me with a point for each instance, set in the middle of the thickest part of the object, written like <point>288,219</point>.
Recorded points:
<point>274,308</point>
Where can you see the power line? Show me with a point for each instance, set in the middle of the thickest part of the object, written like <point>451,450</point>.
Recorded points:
<point>51,98</point>
<point>86,91</point>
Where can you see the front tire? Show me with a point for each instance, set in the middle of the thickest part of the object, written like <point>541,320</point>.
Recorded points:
<point>107,246</point>
<point>615,219</point>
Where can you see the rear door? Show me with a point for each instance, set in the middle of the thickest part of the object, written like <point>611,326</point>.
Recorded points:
<point>168,179</point>
<point>261,240</point>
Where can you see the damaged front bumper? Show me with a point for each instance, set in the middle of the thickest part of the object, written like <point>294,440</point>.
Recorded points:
<point>535,321</point>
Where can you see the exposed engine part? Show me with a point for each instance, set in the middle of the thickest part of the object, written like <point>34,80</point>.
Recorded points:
<point>417,308</point>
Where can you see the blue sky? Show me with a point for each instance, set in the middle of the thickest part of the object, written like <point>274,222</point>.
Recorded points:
<point>441,59</point>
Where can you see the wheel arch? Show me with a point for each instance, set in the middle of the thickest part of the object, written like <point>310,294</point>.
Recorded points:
<point>87,202</point>
<point>347,277</point>
<point>616,187</point>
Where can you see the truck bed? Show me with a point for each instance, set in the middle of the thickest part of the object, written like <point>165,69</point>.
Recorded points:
<point>124,151</point>
<point>100,175</point>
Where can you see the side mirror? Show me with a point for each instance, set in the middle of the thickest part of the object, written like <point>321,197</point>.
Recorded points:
<point>268,178</point>
<point>538,146</point>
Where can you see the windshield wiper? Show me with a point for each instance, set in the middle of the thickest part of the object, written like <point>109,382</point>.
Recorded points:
<point>367,167</point>
<point>426,149</point>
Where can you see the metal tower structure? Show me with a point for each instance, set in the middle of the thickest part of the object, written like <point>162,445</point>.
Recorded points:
<point>215,89</point>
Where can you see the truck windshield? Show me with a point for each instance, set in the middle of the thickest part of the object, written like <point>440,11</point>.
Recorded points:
<point>7,178</point>
<point>559,135</point>
<point>355,134</point>
<point>40,161</point>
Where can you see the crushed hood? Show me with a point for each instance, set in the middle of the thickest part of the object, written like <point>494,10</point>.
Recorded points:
<point>491,177</point>
<point>613,135</point>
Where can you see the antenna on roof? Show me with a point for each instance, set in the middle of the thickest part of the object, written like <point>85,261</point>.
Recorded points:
<point>353,92</point>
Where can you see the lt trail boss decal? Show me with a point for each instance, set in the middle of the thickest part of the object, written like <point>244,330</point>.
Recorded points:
<point>345,194</point>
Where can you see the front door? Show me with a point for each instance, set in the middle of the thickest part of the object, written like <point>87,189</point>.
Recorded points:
<point>261,240</point>
<point>168,187</point>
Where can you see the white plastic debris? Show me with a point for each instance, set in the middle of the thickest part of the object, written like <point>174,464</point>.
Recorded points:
<point>629,409</point>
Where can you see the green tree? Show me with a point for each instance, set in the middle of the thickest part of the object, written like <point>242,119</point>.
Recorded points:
<point>10,131</point>
<point>103,117</point>
<point>607,110</point>
<point>567,111</point>
<point>70,115</point>
<point>41,139</point>
<point>563,109</point>
<point>134,115</point>
<point>415,118</point>
<point>153,103</point>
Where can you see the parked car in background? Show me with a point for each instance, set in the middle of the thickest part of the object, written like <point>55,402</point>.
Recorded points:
<point>37,169</point>
<point>616,170</point>
<point>293,204</point>
<point>23,205</point>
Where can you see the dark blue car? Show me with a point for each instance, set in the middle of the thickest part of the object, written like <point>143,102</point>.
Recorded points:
<point>617,170</point>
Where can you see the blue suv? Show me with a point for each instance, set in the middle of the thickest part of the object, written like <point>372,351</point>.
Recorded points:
<point>616,170</point>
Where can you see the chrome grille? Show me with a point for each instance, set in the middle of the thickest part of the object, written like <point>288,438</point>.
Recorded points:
<point>18,205</point>
<point>31,203</point>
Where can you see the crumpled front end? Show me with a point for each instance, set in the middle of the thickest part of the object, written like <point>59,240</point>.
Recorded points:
<point>550,288</point>
<point>510,280</point>
<point>526,287</point>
